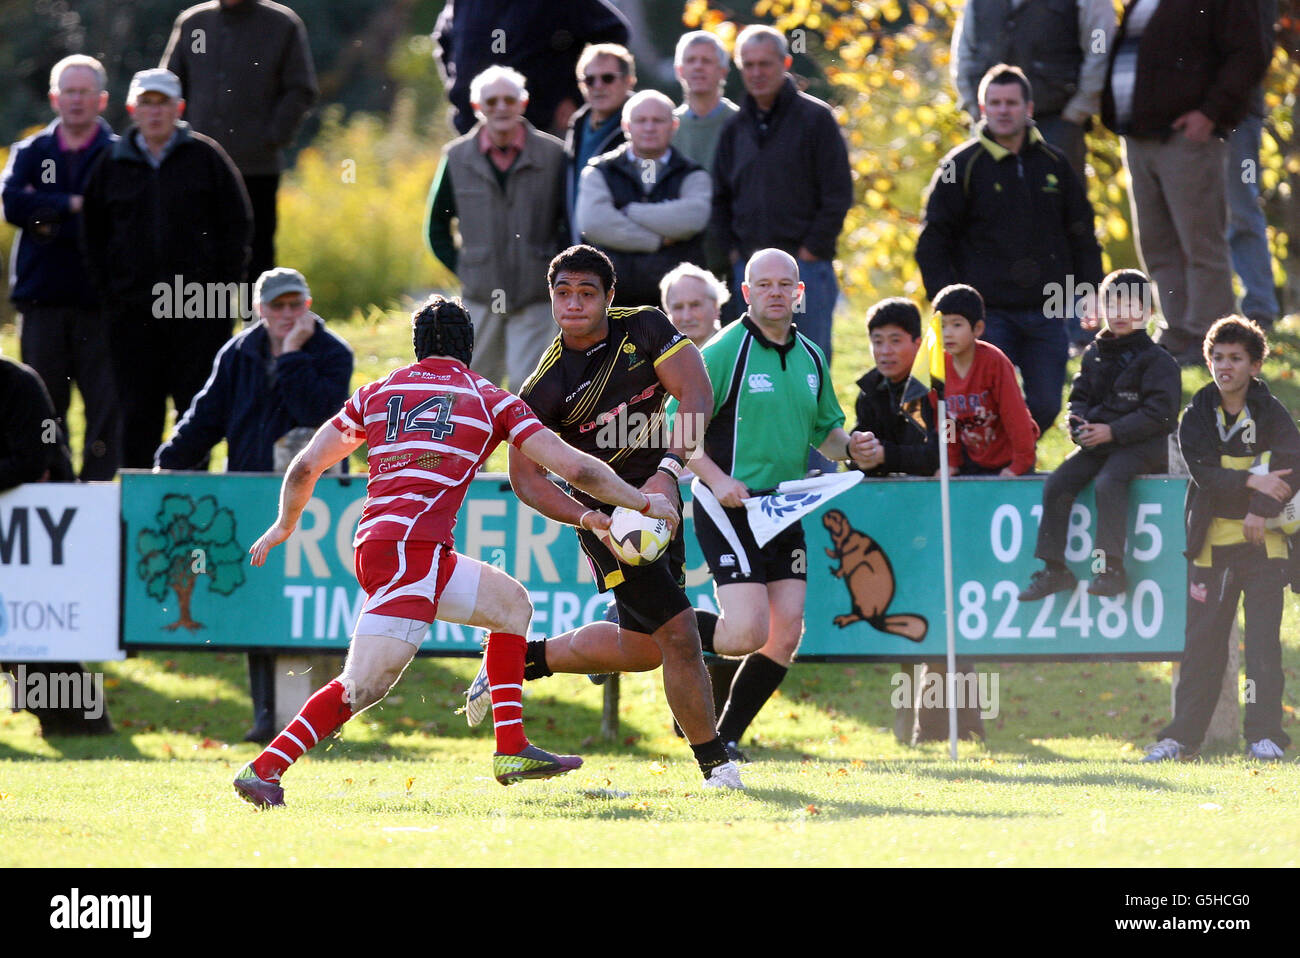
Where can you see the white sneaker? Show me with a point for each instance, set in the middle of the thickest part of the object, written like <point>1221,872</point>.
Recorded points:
<point>1266,750</point>
<point>725,776</point>
<point>1164,750</point>
<point>478,700</point>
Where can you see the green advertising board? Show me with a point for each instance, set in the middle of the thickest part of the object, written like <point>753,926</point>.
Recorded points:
<point>874,564</point>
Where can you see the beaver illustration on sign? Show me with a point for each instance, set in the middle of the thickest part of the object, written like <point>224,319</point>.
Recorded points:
<point>866,571</point>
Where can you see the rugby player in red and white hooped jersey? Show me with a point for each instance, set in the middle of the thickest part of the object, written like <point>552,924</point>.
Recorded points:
<point>430,426</point>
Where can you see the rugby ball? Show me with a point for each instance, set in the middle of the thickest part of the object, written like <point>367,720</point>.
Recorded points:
<point>1288,520</point>
<point>637,539</point>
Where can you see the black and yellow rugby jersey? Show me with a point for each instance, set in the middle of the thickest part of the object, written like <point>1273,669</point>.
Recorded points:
<point>607,400</point>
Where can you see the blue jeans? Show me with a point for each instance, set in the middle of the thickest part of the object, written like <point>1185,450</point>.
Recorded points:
<point>813,317</point>
<point>1247,226</point>
<point>1039,348</point>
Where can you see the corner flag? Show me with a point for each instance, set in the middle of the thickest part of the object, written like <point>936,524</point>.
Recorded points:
<point>927,369</point>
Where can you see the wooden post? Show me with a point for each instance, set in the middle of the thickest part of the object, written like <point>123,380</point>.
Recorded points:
<point>297,678</point>
<point>609,713</point>
<point>905,715</point>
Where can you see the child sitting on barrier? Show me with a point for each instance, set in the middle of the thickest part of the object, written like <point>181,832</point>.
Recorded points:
<point>1123,405</point>
<point>1243,452</point>
<point>995,435</point>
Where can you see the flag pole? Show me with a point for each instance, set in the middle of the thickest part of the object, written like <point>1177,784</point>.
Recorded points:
<point>946,518</point>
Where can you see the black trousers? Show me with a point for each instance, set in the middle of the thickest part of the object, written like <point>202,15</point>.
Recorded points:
<point>1211,606</point>
<point>156,359</point>
<point>1114,471</point>
<point>261,194</point>
<point>67,343</point>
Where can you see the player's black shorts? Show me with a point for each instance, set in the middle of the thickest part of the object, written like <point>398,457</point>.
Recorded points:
<point>647,595</point>
<point>785,557</point>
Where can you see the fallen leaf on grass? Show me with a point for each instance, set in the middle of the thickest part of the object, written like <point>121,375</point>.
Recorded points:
<point>813,810</point>
<point>657,768</point>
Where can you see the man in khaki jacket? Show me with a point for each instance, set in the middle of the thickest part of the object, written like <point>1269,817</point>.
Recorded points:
<point>503,182</point>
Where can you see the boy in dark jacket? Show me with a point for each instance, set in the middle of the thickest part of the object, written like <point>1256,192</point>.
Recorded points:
<point>902,445</point>
<point>1123,405</point>
<point>1243,452</point>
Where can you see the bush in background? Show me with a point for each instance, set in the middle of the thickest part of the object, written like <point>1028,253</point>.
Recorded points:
<point>352,212</point>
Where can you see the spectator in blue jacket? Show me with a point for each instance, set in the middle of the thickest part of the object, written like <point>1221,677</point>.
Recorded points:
<point>288,371</point>
<point>63,334</point>
<point>287,374</point>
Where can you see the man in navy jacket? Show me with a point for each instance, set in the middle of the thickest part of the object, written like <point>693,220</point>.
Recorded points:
<point>64,336</point>
<point>286,372</point>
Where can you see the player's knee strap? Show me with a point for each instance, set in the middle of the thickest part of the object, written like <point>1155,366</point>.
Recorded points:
<point>412,631</point>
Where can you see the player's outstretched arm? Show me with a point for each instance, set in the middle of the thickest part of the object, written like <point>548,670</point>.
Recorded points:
<point>547,450</point>
<point>327,447</point>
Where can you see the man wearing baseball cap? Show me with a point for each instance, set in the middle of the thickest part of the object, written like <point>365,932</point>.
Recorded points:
<point>271,386</point>
<point>166,237</point>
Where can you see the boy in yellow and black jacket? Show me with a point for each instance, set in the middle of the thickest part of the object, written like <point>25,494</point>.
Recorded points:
<point>1243,452</point>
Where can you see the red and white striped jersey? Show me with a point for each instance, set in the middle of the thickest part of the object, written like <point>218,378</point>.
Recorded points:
<point>430,426</point>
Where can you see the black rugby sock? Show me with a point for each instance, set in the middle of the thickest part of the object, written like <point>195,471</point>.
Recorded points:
<point>710,755</point>
<point>756,679</point>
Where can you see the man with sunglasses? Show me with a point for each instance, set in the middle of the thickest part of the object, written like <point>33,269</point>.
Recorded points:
<point>606,76</point>
<point>502,182</point>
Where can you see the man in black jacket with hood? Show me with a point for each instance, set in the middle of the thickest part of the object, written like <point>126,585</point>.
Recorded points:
<point>1243,452</point>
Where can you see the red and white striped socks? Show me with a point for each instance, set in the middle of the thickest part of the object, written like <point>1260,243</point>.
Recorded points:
<point>321,716</point>
<point>505,672</point>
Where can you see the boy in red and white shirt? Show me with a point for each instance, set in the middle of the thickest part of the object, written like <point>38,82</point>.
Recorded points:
<point>995,435</point>
<point>429,427</point>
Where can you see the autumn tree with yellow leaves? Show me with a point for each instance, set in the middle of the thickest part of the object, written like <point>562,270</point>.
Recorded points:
<point>888,63</point>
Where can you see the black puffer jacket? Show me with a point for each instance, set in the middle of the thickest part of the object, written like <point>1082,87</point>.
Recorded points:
<point>1129,383</point>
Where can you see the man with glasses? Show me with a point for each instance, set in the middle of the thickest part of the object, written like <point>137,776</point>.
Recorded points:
<point>606,76</point>
<point>502,183</point>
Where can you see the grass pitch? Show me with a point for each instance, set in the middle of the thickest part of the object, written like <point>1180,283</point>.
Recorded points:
<point>410,784</point>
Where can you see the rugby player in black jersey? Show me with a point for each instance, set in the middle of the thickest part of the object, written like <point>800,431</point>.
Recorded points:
<point>602,385</point>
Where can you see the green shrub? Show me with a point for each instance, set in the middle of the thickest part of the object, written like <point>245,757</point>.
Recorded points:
<point>352,212</point>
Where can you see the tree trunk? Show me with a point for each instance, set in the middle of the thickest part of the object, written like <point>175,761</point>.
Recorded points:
<point>184,589</point>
